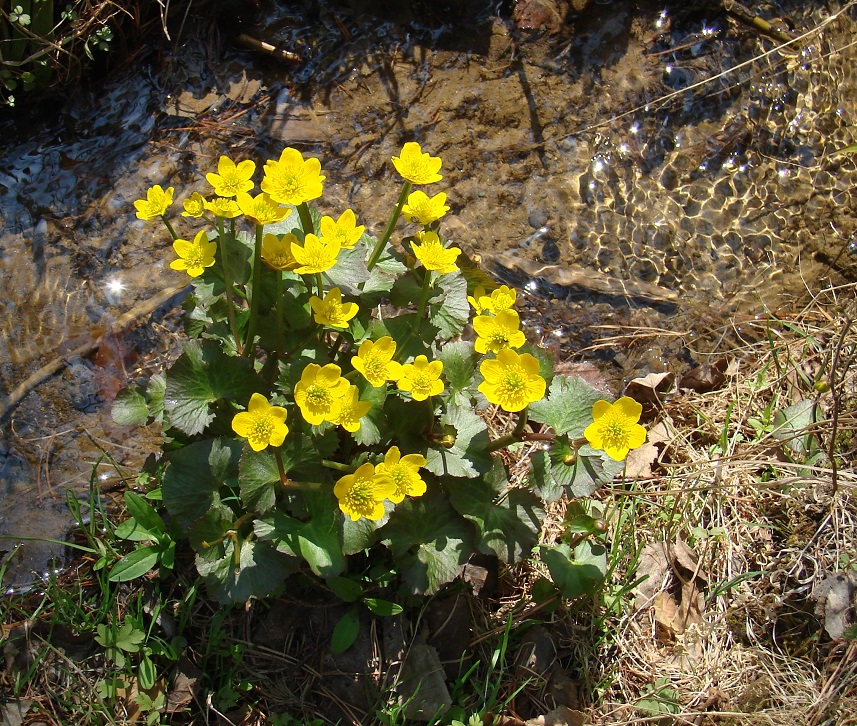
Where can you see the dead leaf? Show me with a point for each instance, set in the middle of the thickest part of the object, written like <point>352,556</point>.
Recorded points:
<point>654,566</point>
<point>422,684</point>
<point>705,378</point>
<point>651,388</point>
<point>836,598</point>
<point>561,716</point>
<point>638,464</point>
<point>185,685</point>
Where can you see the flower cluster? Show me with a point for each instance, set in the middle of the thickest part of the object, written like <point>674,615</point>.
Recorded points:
<point>375,354</point>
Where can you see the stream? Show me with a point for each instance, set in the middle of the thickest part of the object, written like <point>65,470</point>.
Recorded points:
<point>638,167</point>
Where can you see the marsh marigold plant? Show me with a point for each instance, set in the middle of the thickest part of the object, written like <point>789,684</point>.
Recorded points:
<point>387,358</point>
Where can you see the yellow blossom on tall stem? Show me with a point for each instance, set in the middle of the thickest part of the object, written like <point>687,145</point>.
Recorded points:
<point>194,206</point>
<point>223,207</point>
<point>262,209</point>
<point>362,493</point>
<point>319,392</point>
<point>512,381</point>
<point>404,471</point>
<point>345,229</point>
<point>155,204</point>
<point>194,256</point>
<point>424,209</point>
<point>316,255</point>
<point>503,298</point>
<point>277,251</point>
<point>615,430</point>
<point>421,378</point>
<point>232,178</point>
<point>261,424</point>
<point>476,299</point>
<point>351,410</point>
<point>429,250</point>
<point>498,332</point>
<point>293,179</point>
<point>375,361</point>
<point>332,311</point>
<point>417,167</point>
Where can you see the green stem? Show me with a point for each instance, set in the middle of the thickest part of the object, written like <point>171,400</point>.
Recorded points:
<point>309,336</point>
<point>423,297</point>
<point>281,343</point>
<point>284,480</point>
<point>320,285</point>
<point>254,301</point>
<point>306,218</point>
<point>512,438</point>
<point>394,217</point>
<point>227,280</point>
<point>169,227</point>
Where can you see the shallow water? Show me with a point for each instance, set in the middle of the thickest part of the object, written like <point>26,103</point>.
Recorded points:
<point>587,152</point>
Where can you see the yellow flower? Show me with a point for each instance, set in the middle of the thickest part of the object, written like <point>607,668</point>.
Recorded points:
<point>317,255</point>
<point>512,380</point>
<point>332,311</point>
<point>433,255</point>
<point>345,229</point>
<point>362,493</point>
<point>424,209</point>
<point>319,393</point>
<point>277,252</point>
<point>194,205</point>
<point>375,361</point>
<point>224,207</point>
<point>261,208</point>
<point>417,167</point>
<point>352,410</point>
<point>232,178</point>
<point>155,204</point>
<point>615,429</point>
<point>503,298</point>
<point>421,378</point>
<point>404,471</point>
<point>261,424</point>
<point>292,179</point>
<point>497,333</point>
<point>194,256</point>
<point>477,298</point>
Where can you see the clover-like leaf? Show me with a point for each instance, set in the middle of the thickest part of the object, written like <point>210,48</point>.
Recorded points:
<point>507,520</point>
<point>202,375</point>
<point>466,457</point>
<point>567,408</point>
<point>430,542</point>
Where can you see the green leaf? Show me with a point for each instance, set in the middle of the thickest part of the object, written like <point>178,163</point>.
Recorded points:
<point>410,420</point>
<point>147,673</point>
<point>591,468</point>
<point>129,407</point>
<point>373,426</point>
<point>135,564</point>
<point>450,311</point>
<point>155,391</point>
<point>349,272</point>
<point>144,513</point>
<point>345,588</point>
<point>384,608</point>
<point>429,540</point>
<point>577,574</point>
<point>362,534</point>
<point>792,423</point>
<point>507,526</point>
<point>466,457</point>
<point>202,375</point>
<point>195,475</point>
<point>132,530</point>
<point>317,540</point>
<point>545,359</point>
<point>540,478</point>
<point>258,480</point>
<point>459,367</point>
<point>850,149</point>
<point>401,328</point>
<point>567,409</point>
<point>130,636</point>
<point>260,571</point>
<point>345,631</point>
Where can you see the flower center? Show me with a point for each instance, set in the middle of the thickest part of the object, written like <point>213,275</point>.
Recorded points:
<point>360,498</point>
<point>194,258</point>
<point>289,184</point>
<point>499,338</point>
<point>318,397</point>
<point>376,368</point>
<point>230,183</point>
<point>261,431</point>
<point>422,380</point>
<point>614,431</point>
<point>513,385</point>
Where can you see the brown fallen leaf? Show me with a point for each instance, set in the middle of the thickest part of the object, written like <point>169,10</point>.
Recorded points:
<point>705,378</point>
<point>651,388</point>
<point>638,464</point>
